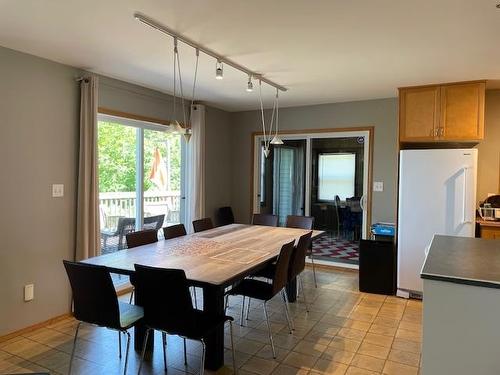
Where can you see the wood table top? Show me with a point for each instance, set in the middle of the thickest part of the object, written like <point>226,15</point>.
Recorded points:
<point>217,256</point>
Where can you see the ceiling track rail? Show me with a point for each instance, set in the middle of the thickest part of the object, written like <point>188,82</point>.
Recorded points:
<point>166,30</point>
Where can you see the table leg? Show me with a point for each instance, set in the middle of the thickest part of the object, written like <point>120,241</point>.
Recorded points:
<point>291,290</point>
<point>213,303</point>
<point>140,329</point>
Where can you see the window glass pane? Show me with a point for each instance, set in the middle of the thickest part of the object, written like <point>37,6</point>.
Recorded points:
<point>162,179</point>
<point>117,183</point>
<point>336,174</point>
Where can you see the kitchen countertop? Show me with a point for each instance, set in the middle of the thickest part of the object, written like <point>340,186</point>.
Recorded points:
<point>463,260</point>
<point>488,223</point>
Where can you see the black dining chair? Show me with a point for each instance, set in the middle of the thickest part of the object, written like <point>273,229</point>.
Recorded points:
<point>174,231</point>
<point>303,222</point>
<point>95,302</point>
<point>263,291</point>
<point>140,238</point>
<point>265,219</point>
<point>202,224</point>
<point>225,216</point>
<point>172,312</point>
<point>296,266</point>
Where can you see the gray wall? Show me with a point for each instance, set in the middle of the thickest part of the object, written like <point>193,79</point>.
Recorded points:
<point>39,104</point>
<point>39,111</point>
<point>489,149</point>
<point>382,114</point>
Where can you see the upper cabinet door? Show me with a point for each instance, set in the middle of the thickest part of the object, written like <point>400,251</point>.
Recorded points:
<point>419,113</point>
<point>462,111</point>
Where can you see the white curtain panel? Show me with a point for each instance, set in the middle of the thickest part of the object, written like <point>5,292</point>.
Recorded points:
<point>88,240</point>
<point>195,179</point>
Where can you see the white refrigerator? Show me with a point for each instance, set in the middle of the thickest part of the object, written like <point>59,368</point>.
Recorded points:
<point>437,195</point>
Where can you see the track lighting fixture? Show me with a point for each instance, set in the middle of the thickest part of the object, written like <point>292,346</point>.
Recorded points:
<point>219,73</point>
<point>249,84</point>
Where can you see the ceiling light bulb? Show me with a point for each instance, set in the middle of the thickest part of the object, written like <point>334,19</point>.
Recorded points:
<point>249,84</point>
<point>219,74</point>
<point>276,140</point>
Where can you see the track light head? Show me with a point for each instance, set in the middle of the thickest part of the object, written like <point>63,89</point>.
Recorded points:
<point>249,84</point>
<point>219,73</point>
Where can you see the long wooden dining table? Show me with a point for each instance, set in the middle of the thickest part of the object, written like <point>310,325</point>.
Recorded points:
<point>212,260</point>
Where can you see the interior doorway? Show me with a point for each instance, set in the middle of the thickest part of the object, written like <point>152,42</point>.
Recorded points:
<point>324,175</point>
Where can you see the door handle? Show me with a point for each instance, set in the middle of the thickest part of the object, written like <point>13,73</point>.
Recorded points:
<point>465,220</point>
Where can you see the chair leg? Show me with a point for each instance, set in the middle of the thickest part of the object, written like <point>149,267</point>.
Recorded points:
<point>242,310</point>
<point>299,279</point>
<point>131,297</point>
<point>185,353</point>
<point>269,330</point>
<point>119,345</point>
<point>235,369</point>
<point>144,344</point>
<point>204,348</point>
<point>288,318</point>
<point>126,353</point>
<point>248,307</point>
<point>73,350</point>
<point>314,269</point>
<point>164,340</point>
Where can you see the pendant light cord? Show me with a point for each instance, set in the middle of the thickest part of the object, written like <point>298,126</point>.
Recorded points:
<point>194,81</point>
<point>262,114</point>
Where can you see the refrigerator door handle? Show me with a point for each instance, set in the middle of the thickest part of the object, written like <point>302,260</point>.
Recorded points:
<point>465,219</point>
<point>362,202</point>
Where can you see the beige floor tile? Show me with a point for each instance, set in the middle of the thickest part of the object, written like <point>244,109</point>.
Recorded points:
<point>409,335</point>
<point>267,353</point>
<point>388,322</point>
<point>359,371</point>
<point>407,358</point>
<point>248,346</point>
<point>352,334</point>
<point>407,346</point>
<point>338,355</point>
<point>327,367</point>
<point>357,324</point>
<point>298,360</point>
<point>376,339</point>
<point>368,363</point>
<point>318,337</point>
<point>416,327</point>
<point>309,348</point>
<point>344,344</point>
<point>372,350</point>
<point>259,366</point>
<point>289,370</point>
<point>394,368</point>
<point>382,330</point>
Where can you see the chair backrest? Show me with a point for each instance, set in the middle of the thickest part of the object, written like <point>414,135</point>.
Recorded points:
<point>225,216</point>
<point>165,298</point>
<point>298,259</point>
<point>300,222</point>
<point>174,231</point>
<point>94,296</point>
<point>125,225</point>
<point>282,265</point>
<point>202,224</point>
<point>153,222</point>
<point>265,219</point>
<point>141,237</point>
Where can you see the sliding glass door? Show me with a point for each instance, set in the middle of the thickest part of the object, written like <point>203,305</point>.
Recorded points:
<point>140,178</point>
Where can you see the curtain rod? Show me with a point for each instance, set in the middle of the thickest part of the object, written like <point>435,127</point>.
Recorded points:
<point>166,30</point>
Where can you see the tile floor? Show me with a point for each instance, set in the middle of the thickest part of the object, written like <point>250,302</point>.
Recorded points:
<point>345,332</point>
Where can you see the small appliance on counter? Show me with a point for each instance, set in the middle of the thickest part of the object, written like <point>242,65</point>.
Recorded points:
<point>489,210</point>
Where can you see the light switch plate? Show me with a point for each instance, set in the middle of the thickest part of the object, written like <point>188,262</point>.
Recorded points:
<point>378,186</point>
<point>29,292</point>
<point>57,190</point>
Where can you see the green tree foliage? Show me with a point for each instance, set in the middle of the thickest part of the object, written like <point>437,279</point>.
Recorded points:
<point>117,149</point>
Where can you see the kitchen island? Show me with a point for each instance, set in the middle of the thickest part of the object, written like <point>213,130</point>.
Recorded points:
<point>461,322</point>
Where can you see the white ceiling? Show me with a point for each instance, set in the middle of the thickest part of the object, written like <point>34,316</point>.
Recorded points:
<point>324,51</point>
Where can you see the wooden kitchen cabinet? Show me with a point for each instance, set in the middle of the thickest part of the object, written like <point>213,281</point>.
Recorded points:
<point>419,113</point>
<point>489,229</point>
<point>442,113</point>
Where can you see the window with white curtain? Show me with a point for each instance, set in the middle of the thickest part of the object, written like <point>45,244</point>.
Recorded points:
<point>336,175</point>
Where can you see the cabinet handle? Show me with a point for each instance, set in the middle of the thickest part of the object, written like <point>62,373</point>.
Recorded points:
<point>436,132</point>
<point>441,131</point>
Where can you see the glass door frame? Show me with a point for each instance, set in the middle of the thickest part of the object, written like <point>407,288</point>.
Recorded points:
<point>366,133</point>
<point>140,126</point>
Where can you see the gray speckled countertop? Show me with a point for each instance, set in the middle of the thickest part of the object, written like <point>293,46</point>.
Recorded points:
<point>464,260</point>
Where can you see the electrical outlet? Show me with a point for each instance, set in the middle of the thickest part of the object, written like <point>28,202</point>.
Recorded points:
<point>29,292</point>
<point>378,186</point>
<point>57,190</point>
